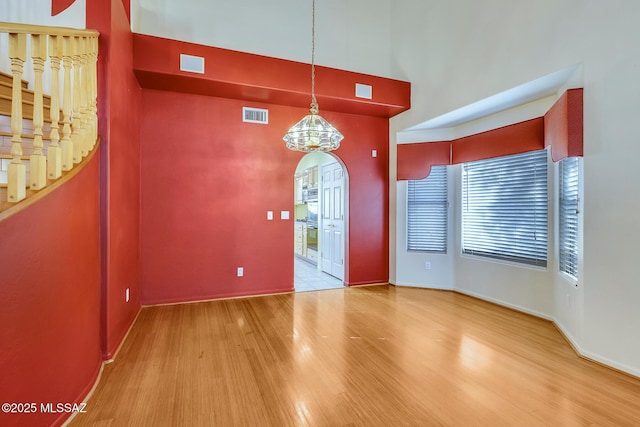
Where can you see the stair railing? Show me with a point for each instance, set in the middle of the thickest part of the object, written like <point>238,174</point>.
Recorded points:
<point>71,56</point>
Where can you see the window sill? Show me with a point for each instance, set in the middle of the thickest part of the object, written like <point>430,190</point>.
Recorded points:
<point>504,262</point>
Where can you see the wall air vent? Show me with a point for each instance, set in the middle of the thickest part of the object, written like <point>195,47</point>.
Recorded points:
<point>255,115</point>
<point>364,91</point>
<point>191,64</point>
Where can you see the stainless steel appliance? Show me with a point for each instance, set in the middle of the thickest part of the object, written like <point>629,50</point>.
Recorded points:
<point>312,214</point>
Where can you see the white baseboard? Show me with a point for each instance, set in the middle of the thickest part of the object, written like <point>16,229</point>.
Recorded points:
<point>422,285</point>
<point>88,396</point>
<point>580,351</point>
<point>505,304</point>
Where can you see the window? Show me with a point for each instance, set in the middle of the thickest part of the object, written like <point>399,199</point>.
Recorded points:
<point>504,208</point>
<point>568,213</point>
<point>427,212</point>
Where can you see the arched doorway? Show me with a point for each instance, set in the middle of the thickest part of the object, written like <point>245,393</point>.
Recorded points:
<point>320,214</point>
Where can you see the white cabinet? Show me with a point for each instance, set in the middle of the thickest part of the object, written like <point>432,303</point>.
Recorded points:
<point>312,255</point>
<point>298,187</point>
<point>312,176</point>
<point>300,239</point>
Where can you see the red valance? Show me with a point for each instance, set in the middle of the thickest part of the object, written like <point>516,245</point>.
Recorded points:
<point>415,160</point>
<point>563,126</point>
<point>513,139</point>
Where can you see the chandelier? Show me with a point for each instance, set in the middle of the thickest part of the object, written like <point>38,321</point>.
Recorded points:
<point>313,133</point>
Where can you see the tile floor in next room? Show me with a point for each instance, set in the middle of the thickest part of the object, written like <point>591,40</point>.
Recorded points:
<point>307,277</point>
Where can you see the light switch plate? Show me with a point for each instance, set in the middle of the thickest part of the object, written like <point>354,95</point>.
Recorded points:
<point>240,271</point>
<point>284,214</point>
<point>270,215</point>
<point>374,153</point>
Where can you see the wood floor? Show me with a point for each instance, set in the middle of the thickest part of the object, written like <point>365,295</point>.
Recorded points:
<point>376,356</point>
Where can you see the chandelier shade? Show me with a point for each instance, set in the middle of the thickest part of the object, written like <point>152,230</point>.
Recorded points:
<point>313,133</point>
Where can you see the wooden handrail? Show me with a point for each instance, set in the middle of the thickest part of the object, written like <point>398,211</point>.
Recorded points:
<point>8,27</point>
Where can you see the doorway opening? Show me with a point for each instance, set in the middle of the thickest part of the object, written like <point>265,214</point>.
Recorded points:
<point>320,214</point>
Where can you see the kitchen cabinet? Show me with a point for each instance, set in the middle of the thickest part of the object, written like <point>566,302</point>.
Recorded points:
<point>312,255</point>
<point>298,187</point>
<point>312,176</point>
<point>300,239</point>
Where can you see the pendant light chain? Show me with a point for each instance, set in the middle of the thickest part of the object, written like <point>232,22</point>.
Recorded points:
<point>313,132</point>
<point>314,103</point>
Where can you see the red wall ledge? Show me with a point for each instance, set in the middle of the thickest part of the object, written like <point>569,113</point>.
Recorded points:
<point>249,77</point>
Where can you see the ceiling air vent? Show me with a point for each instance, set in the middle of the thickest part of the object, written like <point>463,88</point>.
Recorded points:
<point>255,115</point>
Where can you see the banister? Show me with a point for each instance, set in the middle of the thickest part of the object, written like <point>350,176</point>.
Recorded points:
<point>66,60</point>
<point>9,27</point>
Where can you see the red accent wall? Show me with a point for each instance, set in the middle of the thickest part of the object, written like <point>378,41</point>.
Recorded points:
<point>59,6</point>
<point>240,75</point>
<point>119,104</point>
<point>208,180</point>
<point>127,8</point>
<point>50,294</point>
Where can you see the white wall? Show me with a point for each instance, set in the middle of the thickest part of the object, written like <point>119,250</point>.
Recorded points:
<point>314,159</point>
<point>38,12</point>
<point>410,269</point>
<point>455,53</point>
<point>350,34</point>
<point>524,288</point>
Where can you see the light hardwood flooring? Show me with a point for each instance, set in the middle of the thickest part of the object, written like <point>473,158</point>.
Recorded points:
<point>372,356</point>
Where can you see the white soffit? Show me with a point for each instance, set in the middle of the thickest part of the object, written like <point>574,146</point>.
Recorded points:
<point>444,127</point>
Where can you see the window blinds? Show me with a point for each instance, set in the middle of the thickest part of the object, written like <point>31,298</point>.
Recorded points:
<point>427,212</point>
<point>568,213</point>
<point>504,208</point>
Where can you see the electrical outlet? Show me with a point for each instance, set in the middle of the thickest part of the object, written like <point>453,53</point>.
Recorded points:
<point>240,271</point>
<point>126,295</point>
<point>427,265</point>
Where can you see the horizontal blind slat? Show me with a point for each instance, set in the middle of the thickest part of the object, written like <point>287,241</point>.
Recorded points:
<point>427,208</point>
<point>505,208</point>
<point>568,212</point>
